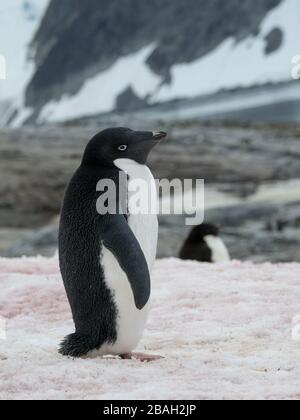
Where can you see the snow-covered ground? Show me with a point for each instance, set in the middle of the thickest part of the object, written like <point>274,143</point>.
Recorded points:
<point>226,331</point>
<point>232,64</point>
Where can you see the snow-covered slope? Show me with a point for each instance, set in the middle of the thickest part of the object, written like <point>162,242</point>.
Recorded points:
<point>99,93</point>
<point>226,331</point>
<point>19,20</point>
<point>232,64</point>
<point>221,49</point>
<point>241,64</point>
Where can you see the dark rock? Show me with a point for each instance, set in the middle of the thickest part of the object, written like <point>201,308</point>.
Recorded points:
<point>39,242</point>
<point>274,40</point>
<point>250,232</point>
<point>129,101</point>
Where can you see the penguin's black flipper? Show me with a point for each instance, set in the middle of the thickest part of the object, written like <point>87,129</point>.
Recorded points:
<point>119,239</point>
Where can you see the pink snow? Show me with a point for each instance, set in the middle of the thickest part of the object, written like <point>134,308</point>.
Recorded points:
<point>225,332</point>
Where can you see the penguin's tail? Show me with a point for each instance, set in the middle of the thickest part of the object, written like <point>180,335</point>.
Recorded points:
<point>76,345</point>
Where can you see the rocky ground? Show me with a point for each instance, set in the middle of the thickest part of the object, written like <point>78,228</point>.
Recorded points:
<point>236,161</point>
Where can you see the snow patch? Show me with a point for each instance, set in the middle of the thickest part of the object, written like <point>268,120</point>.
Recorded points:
<point>19,20</point>
<point>2,67</point>
<point>100,92</point>
<point>241,64</point>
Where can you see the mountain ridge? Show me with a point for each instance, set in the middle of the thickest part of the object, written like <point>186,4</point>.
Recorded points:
<point>100,57</point>
<point>104,32</point>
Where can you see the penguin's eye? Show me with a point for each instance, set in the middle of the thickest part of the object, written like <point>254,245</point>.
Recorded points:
<point>122,148</point>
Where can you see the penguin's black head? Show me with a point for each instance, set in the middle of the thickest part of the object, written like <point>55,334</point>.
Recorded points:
<point>201,231</point>
<point>121,143</point>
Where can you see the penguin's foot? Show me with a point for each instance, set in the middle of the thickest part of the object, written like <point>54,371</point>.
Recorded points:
<point>141,357</point>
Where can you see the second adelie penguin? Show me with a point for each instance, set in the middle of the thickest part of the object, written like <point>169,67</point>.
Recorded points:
<point>205,245</point>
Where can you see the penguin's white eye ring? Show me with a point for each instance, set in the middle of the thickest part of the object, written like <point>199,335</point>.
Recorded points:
<point>123,147</point>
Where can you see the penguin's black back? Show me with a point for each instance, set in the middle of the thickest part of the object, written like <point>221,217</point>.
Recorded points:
<point>80,249</point>
<point>195,247</point>
<point>196,252</point>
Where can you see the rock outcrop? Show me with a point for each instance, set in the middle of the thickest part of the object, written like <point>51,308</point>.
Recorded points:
<point>36,164</point>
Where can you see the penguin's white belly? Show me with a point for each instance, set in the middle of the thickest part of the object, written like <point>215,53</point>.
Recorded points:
<point>219,251</point>
<point>130,320</point>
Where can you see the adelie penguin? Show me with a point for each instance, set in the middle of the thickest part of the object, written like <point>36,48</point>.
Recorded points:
<point>106,260</point>
<point>204,245</point>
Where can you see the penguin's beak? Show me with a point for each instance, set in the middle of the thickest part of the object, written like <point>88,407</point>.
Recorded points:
<point>145,142</point>
<point>159,135</point>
